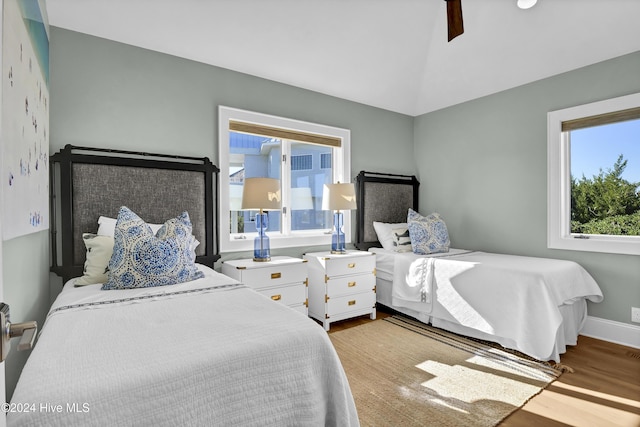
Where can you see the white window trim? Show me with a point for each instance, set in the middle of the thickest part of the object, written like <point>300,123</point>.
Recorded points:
<point>244,242</point>
<point>559,234</point>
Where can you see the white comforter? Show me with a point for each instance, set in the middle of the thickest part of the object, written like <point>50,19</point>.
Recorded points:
<point>505,296</point>
<point>207,352</point>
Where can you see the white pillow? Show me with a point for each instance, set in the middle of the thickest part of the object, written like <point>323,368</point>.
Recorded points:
<point>99,250</point>
<point>386,237</point>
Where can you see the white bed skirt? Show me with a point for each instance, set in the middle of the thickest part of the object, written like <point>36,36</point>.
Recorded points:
<point>573,315</point>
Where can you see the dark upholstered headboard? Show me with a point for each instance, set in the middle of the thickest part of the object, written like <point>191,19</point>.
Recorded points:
<point>384,198</point>
<point>87,183</point>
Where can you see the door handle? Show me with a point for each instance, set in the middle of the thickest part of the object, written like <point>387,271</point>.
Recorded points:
<point>25,330</point>
<point>27,333</point>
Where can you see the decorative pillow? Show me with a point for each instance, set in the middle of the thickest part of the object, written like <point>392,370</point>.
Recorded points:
<point>107,226</point>
<point>141,259</point>
<point>384,231</point>
<point>96,265</point>
<point>428,234</point>
<point>401,239</point>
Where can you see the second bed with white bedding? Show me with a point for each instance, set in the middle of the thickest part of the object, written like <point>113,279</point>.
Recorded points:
<point>534,305</point>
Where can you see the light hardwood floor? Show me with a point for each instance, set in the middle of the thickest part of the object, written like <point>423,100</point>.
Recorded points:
<point>603,390</point>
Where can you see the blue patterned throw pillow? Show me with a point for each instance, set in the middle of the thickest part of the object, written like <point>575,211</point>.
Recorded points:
<point>141,259</point>
<point>428,233</point>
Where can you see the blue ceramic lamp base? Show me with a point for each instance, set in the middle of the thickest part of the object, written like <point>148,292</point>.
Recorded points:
<point>261,251</point>
<point>337,237</point>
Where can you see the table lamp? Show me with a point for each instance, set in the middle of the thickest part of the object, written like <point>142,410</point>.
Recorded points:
<point>338,197</point>
<point>261,194</point>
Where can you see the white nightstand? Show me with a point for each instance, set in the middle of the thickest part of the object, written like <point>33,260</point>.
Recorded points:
<point>341,286</point>
<point>283,279</point>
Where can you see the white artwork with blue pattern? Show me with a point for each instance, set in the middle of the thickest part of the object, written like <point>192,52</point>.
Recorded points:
<point>24,142</point>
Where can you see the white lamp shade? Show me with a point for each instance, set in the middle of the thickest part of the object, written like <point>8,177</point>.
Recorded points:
<point>261,194</point>
<point>339,197</point>
<point>301,199</point>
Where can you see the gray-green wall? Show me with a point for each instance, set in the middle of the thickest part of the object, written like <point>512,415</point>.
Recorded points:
<point>106,94</point>
<point>483,166</point>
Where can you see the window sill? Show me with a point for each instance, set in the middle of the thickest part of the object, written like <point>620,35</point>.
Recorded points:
<point>277,242</point>
<point>628,245</point>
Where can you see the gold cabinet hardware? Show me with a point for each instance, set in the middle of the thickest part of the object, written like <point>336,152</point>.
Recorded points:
<point>326,298</point>
<point>276,297</point>
<point>351,284</point>
<point>351,265</point>
<point>352,302</point>
<point>276,275</point>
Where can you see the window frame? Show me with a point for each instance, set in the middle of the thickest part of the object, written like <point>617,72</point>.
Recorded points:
<point>285,238</point>
<point>559,234</point>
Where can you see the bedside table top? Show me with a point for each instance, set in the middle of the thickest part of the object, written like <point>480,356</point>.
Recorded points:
<point>249,263</point>
<point>349,254</point>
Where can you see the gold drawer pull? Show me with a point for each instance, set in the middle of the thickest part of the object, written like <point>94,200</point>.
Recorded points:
<point>351,284</point>
<point>352,302</point>
<point>276,275</point>
<point>351,265</point>
<point>276,297</point>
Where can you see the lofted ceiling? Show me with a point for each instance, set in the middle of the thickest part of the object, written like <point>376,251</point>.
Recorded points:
<point>391,54</point>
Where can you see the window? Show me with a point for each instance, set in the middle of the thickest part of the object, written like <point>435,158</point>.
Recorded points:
<point>594,176</point>
<point>303,156</point>
<point>325,161</point>
<point>301,162</point>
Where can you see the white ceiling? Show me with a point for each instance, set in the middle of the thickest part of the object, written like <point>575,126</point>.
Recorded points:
<point>391,54</point>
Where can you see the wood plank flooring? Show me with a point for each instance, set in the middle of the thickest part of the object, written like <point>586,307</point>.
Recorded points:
<point>603,390</point>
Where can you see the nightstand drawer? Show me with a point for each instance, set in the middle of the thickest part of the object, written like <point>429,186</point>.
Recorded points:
<point>279,271</point>
<point>348,303</point>
<point>288,295</point>
<point>348,285</point>
<point>341,265</point>
<point>275,275</point>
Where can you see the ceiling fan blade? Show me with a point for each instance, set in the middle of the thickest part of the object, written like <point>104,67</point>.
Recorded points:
<point>454,18</point>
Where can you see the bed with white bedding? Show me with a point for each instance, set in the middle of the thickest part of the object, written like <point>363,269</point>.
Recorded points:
<point>205,352</point>
<point>534,305</point>
<point>145,332</point>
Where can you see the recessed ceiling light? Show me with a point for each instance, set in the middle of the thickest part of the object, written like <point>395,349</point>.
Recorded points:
<point>526,4</point>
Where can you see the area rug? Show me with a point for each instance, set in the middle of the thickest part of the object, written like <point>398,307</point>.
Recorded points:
<point>405,373</point>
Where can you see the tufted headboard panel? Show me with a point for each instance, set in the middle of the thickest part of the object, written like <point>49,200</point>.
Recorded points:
<point>384,198</point>
<point>87,183</point>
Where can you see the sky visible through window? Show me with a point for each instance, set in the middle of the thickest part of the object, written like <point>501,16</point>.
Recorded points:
<point>598,148</point>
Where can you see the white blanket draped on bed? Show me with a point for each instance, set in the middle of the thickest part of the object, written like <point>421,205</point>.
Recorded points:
<point>207,352</point>
<point>501,295</point>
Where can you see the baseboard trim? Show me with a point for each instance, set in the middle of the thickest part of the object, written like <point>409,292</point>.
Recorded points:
<point>615,332</point>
